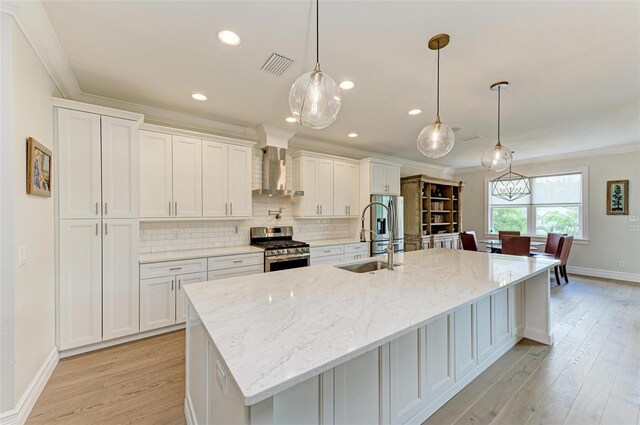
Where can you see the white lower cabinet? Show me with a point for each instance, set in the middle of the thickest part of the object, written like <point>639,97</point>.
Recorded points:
<point>162,297</point>
<point>98,297</point>
<point>157,302</point>
<point>80,296</point>
<point>120,277</point>
<point>334,254</point>
<point>465,340</point>
<point>401,382</point>
<point>485,335</point>
<point>439,351</point>
<point>182,280</point>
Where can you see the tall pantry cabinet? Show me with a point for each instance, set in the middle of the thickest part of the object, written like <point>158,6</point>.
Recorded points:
<point>98,230</point>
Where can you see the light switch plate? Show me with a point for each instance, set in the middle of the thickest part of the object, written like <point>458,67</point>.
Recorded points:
<point>22,255</point>
<point>634,217</point>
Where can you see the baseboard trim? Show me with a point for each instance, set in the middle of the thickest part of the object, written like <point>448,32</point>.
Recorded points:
<point>110,343</point>
<point>20,413</point>
<point>607,274</point>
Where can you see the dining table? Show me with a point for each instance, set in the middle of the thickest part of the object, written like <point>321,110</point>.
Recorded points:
<point>495,245</point>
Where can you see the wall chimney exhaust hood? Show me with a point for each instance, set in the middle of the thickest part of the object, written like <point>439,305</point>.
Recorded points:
<point>274,143</point>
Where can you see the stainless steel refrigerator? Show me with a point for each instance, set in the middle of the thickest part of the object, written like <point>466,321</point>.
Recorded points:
<point>380,224</point>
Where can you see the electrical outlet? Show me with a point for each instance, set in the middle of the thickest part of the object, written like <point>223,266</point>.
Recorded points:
<point>622,264</point>
<point>22,255</point>
<point>634,228</point>
<point>221,377</point>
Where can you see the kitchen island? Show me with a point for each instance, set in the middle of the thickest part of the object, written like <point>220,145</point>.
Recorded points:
<point>324,345</point>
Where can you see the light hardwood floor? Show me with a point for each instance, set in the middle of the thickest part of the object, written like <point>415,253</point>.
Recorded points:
<point>591,375</point>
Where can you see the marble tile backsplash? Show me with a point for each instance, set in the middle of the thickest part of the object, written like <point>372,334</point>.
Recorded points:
<point>173,236</point>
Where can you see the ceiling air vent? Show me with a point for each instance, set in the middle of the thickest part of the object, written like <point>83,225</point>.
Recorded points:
<point>277,64</point>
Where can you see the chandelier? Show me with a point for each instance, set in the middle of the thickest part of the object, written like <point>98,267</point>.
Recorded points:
<point>510,186</point>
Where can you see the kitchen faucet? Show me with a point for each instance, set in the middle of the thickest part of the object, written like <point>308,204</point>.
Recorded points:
<point>392,222</point>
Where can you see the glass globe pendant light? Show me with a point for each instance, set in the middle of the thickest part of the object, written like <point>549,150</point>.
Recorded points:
<point>437,139</point>
<point>499,157</point>
<point>314,98</point>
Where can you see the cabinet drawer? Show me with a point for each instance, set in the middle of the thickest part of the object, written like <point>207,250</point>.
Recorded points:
<point>356,248</point>
<point>325,251</point>
<point>233,261</point>
<point>237,271</point>
<point>330,259</point>
<point>355,256</point>
<point>171,268</point>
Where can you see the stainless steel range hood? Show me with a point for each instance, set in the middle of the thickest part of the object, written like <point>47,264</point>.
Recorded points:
<point>274,174</point>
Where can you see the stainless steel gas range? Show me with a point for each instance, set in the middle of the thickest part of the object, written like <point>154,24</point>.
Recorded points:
<point>281,252</point>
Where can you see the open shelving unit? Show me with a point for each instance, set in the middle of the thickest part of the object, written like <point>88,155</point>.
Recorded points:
<point>432,207</point>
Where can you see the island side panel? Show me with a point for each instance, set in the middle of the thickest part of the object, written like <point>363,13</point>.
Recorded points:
<point>211,395</point>
<point>537,308</point>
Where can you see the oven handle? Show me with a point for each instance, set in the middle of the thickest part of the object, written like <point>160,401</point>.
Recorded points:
<point>282,258</point>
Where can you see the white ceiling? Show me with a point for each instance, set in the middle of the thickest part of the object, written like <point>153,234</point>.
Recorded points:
<point>573,67</point>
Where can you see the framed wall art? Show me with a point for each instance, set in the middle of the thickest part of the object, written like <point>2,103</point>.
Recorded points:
<point>39,168</point>
<point>618,197</point>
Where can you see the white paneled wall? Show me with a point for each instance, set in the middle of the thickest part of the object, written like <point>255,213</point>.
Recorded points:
<point>172,236</point>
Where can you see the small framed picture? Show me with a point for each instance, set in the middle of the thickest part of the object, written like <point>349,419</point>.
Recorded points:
<point>618,197</point>
<point>39,168</point>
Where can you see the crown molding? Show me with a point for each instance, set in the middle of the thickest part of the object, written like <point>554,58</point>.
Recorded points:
<point>178,120</point>
<point>34,23</point>
<point>590,153</point>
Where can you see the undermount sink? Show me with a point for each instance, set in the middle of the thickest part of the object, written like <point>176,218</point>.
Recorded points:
<point>368,267</point>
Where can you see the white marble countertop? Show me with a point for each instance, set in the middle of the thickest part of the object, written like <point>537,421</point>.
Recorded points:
<point>278,329</point>
<point>340,241</point>
<point>187,254</point>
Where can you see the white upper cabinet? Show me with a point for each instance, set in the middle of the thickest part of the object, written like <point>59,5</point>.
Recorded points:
<point>240,203</point>
<point>215,187</point>
<point>324,182</point>
<point>345,188</point>
<point>330,185</point>
<point>226,175</point>
<point>120,175</point>
<point>379,178</point>
<point>79,164</point>
<point>120,278</point>
<point>187,177</point>
<point>156,175</point>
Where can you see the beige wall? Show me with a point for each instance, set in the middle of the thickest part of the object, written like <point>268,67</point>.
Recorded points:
<point>33,216</point>
<point>610,240</point>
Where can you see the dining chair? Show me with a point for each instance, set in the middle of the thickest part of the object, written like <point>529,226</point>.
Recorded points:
<point>469,241</point>
<point>516,245</point>
<point>563,255</point>
<point>553,243</point>
<point>503,233</point>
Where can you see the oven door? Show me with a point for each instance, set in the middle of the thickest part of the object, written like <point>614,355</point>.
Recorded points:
<point>285,262</point>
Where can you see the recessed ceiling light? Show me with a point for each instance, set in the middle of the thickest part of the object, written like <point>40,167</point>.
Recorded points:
<point>229,38</point>
<point>415,112</point>
<point>347,85</point>
<point>352,135</point>
<point>290,119</point>
<point>199,96</point>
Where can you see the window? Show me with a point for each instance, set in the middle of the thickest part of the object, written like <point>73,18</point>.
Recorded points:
<point>554,206</point>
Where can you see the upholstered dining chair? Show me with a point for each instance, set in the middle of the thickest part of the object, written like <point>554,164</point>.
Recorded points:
<point>553,243</point>
<point>563,255</point>
<point>516,245</point>
<point>503,233</point>
<point>469,241</point>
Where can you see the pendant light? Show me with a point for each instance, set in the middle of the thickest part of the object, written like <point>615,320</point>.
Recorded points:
<point>499,157</point>
<point>315,98</point>
<point>510,186</point>
<point>437,139</point>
